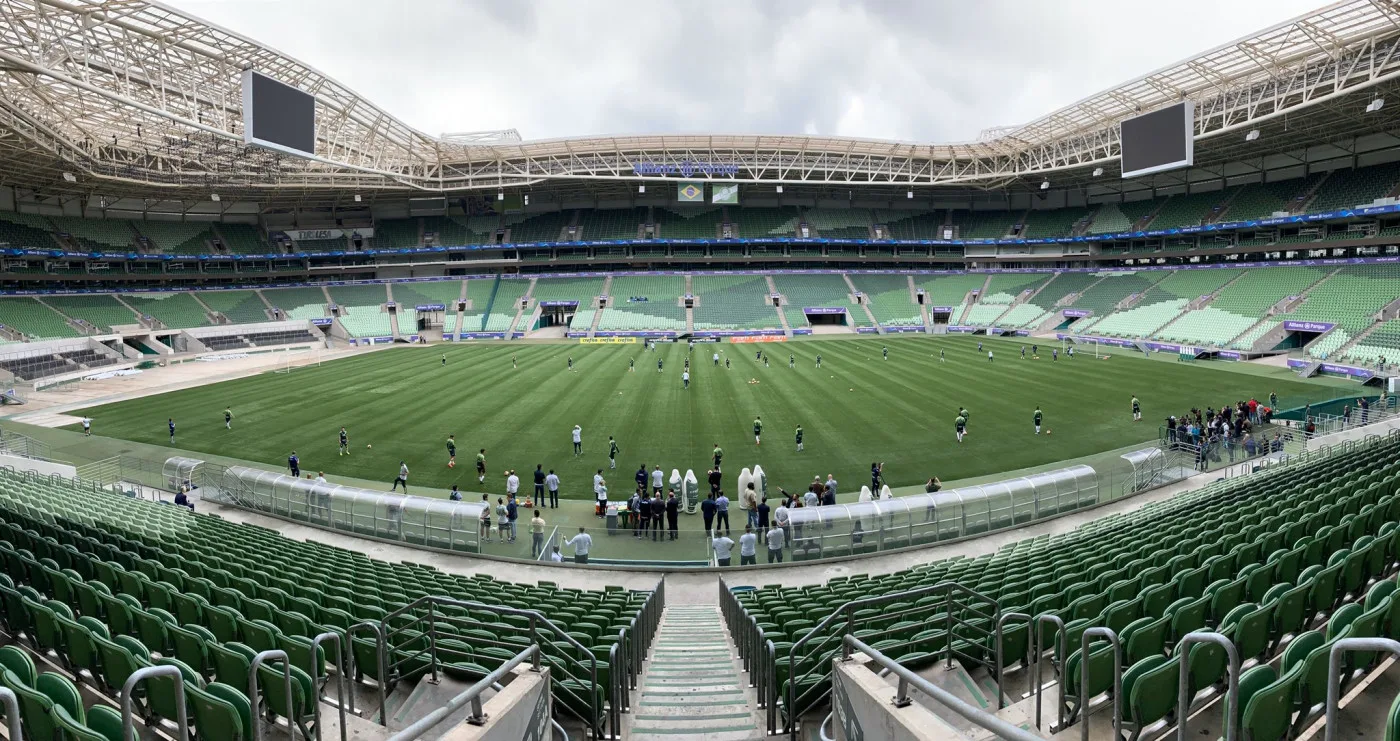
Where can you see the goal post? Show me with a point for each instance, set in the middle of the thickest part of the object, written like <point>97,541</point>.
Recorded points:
<point>295,358</point>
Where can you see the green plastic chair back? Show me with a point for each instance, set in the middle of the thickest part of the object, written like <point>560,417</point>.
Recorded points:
<point>72,729</point>
<point>1268,710</point>
<point>107,722</point>
<point>14,659</point>
<point>221,713</point>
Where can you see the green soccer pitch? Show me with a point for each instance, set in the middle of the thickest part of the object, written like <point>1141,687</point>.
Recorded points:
<point>856,409</point>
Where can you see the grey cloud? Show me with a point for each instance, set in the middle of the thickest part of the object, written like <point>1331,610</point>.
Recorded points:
<point>923,71</point>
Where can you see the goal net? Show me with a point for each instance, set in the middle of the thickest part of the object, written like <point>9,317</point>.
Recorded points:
<point>298,360</point>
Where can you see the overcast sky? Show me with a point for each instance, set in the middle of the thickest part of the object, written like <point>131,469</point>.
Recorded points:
<point>921,70</point>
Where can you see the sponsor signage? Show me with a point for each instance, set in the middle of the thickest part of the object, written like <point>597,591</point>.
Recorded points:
<point>941,309</point>
<point>1340,370</point>
<point>903,330</point>
<point>758,338</point>
<point>430,307</point>
<point>324,322</point>
<point>1228,355</point>
<point>1077,313</point>
<point>553,304</point>
<point>1292,326</point>
<point>867,330</point>
<point>823,310</point>
<point>306,235</point>
<point>607,340</point>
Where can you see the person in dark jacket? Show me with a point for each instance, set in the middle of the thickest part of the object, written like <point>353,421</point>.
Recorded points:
<point>763,510</point>
<point>658,511</point>
<point>673,510</point>
<point>707,511</point>
<point>714,478</point>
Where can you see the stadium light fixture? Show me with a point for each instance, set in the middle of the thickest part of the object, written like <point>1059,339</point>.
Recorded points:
<point>526,198</point>
<point>1375,105</point>
<point>780,188</point>
<point>1098,171</point>
<point>500,195</point>
<point>70,177</point>
<point>1045,185</point>
<point>909,194</point>
<point>1252,135</point>
<point>642,188</point>
<point>214,197</point>
<point>357,198</point>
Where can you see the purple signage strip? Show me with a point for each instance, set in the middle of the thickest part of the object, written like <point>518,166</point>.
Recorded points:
<point>823,310</point>
<point>867,330</point>
<point>323,322</point>
<point>940,309</point>
<point>558,303</point>
<point>1292,326</point>
<point>430,307</point>
<point>1077,312</point>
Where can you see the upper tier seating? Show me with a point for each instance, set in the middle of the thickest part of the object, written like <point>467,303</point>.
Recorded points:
<point>911,224</point>
<point>616,223</point>
<point>21,230</point>
<point>983,315</point>
<point>766,222</point>
<point>545,227</point>
<point>1350,298</point>
<point>366,321</point>
<point>1382,343</point>
<point>949,290</point>
<point>688,222</point>
<point>240,589</point>
<point>733,301</point>
<point>456,231</point>
<point>100,310</point>
<point>1262,200</point>
<point>34,319</point>
<point>178,309</point>
<point>298,303</point>
<point>1005,288</point>
<point>394,234</point>
<point>373,294</point>
<point>840,223</point>
<point>984,224</point>
<point>661,311</point>
<point>889,299</point>
<point>582,290</point>
<point>1121,217</point>
<point>812,290</point>
<point>245,239</point>
<point>102,235</point>
<point>1056,222</point>
<point>1359,187</point>
<point>1189,210</point>
<point>1103,296</point>
<point>177,237</point>
<point>1062,285</point>
<point>241,307</point>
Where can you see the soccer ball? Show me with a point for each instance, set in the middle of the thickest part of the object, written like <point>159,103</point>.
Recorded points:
<point>1047,432</point>
<point>368,445</point>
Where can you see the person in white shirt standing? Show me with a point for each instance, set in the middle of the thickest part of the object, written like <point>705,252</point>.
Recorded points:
<point>551,482</point>
<point>582,543</point>
<point>748,547</point>
<point>685,379</point>
<point>722,545</point>
<point>658,480</point>
<point>87,426</point>
<point>578,440</point>
<point>402,479</point>
<point>775,537</point>
<point>512,483</point>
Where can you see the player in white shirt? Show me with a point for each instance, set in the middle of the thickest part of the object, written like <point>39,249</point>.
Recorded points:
<point>512,483</point>
<point>578,440</point>
<point>658,480</point>
<point>685,379</point>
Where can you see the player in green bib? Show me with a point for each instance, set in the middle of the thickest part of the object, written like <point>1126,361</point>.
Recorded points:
<point>612,452</point>
<point>481,465</point>
<point>799,438</point>
<point>757,431</point>
<point>718,454</point>
<point>1137,410</point>
<point>451,450</point>
<point>1038,417</point>
<point>960,426</point>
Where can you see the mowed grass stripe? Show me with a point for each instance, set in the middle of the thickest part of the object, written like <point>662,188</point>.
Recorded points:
<point>405,403</point>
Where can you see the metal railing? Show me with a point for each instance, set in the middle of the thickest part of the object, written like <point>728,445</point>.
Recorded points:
<point>422,624</point>
<point>907,679</point>
<point>253,668</point>
<point>1111,637</point>
<point>128,711</point>
<point>1183,699</point>
<point>11,703</point>
<point>756,653</point>
<point>1334,668</point>
<point>472,695</point>
<point>954,613</point>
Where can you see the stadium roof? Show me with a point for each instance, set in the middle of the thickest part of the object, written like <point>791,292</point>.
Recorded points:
<point>138,98</point>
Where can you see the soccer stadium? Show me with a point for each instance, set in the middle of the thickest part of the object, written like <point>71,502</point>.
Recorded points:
<point>1086,428</point>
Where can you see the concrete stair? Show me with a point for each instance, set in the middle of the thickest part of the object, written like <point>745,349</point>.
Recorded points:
<point>692,686</point>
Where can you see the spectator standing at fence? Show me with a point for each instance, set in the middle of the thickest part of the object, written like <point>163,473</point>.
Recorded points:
<point>1365,407</point>
<point>582,544</point>
<point>502,520</point>
<point>658,513</point>
<point>751,505</point>
<point>763,516</point>
<point>512,483</point>
<point>775,537</point>
<point>536,535</point>
<point>748,547</point>
<point>485,533</point>
<point>512,514</point>
<point>829,491</point>
<point>707,511</point>
<point>722,512</point>
<point>723,546</point>
<point>551,482</point>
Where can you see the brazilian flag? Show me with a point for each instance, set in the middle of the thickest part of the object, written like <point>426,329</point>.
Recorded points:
<point>690,192</point>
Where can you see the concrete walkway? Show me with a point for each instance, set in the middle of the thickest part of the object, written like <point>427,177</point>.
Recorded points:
<point>692,684</point>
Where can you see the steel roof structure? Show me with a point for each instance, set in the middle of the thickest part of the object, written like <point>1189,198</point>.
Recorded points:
<point>139,99</point>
